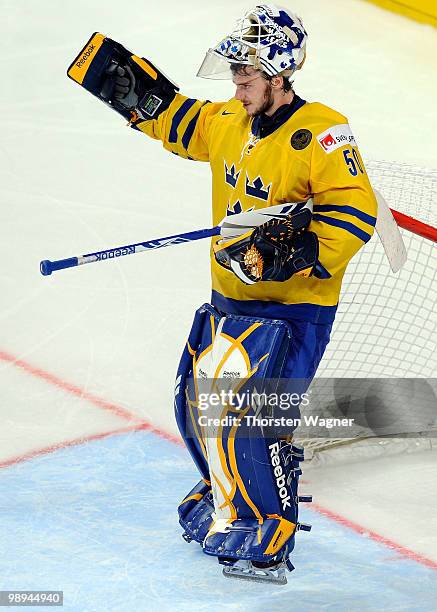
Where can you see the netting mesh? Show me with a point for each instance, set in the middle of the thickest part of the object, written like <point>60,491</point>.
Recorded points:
<point>386,323</point>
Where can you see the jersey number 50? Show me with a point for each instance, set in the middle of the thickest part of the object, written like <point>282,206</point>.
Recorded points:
<point>352,161</point>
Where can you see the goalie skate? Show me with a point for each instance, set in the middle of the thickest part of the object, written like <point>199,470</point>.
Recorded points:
<point>257,572</point>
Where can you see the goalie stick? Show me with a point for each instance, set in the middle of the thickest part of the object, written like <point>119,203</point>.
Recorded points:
<point>236,225</point>
<point>229,227</point>
<point>389,234</point>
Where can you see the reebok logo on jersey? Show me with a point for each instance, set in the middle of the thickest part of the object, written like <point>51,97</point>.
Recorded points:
<point>334,138</point>
<point>280,476</point>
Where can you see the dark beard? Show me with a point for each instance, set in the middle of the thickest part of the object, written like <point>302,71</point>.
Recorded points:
<point>267,102</point>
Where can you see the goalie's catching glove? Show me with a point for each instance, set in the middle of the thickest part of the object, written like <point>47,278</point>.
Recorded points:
<point>274,251</point>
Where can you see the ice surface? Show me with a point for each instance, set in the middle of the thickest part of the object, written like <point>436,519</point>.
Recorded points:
<point>96,520</point>
<point>99,522</point>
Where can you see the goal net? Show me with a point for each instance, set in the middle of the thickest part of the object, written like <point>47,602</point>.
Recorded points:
<point>386,323</point>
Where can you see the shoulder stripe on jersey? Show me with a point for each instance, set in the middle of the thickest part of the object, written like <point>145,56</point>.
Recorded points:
<point>349,227</point>
<point>177,118</point>
<point>190,128</point>
<point>348,210</point>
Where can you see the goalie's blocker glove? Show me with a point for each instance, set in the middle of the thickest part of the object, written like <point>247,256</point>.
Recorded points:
<point>274,251</point>
<point>119,85</point>
<point>129,84</point>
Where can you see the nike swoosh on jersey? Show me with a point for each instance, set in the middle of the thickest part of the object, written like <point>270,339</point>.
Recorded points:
<point>227,113</point>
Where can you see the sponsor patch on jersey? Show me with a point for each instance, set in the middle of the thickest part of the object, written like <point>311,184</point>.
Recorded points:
<point>338,136</point>
<point>301,139</point>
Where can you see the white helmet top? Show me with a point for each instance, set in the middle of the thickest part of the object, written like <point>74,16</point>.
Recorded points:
<point>268,38</point>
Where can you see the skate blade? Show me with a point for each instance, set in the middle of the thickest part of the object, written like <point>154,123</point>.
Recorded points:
<point>255,574</point>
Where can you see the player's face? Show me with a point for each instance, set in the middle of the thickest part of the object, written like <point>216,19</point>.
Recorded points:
<point>254,92</point>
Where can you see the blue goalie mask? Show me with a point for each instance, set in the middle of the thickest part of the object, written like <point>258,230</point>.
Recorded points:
<point>267,38</point>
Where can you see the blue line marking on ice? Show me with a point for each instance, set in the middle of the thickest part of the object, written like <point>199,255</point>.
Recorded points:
<point>99,522</point>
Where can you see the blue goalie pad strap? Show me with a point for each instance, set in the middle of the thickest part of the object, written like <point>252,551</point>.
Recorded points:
<point>297,451</point>
<point>290,451</point>
<point>305,498</point>
<point>248,540</point>
<point>304,527</point>
<point>195,512</point>
<point>293,474</point>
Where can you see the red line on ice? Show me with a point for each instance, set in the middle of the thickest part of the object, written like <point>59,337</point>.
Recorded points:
<point>51,449</point>
<point>68,387</point>
<point>402,550</point>
<point>84,395</point>
<point>144,425</point>
<point>91,438</point>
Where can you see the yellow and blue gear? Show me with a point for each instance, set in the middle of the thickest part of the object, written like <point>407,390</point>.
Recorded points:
<point>273,251</point>
<point>308,152</point>
<point>246,506</point>
<point>107,70</point>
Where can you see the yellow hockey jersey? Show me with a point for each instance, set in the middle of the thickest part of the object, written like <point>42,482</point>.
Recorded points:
<point>311,154</point>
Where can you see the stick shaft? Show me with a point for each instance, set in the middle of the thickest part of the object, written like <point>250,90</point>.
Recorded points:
<point>47,266</point>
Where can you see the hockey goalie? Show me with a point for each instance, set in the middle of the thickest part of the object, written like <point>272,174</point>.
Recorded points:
<point>275,285</point>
